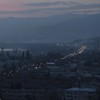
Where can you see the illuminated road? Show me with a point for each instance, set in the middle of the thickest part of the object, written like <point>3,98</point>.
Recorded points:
<point>81,50</point>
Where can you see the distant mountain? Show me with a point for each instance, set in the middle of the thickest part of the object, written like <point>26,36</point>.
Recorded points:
<point>61,28</point>
<point>83,27</point>
<point>92,43</point>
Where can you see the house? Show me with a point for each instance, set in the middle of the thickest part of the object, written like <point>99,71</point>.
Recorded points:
<point>81,94</point>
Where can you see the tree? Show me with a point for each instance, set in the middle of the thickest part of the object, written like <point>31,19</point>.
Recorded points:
<point>28,55</point>
<point>28,97</point>
<point>54,96</point>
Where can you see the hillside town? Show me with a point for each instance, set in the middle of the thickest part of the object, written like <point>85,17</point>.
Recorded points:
<point>58,75</point>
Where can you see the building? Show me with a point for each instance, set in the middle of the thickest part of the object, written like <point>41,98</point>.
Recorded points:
<point>54,70</point>
<point>21,94</point>
<point>81,94</point>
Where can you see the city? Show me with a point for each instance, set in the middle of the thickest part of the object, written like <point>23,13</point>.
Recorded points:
<point>49,49</point>
<point>67,72</point>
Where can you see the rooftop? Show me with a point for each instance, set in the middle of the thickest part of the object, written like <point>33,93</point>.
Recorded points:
<point>82,90</point>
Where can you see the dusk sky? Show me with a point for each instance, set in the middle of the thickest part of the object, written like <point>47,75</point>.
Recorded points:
<point>48,20</point>
<point>44,8</point>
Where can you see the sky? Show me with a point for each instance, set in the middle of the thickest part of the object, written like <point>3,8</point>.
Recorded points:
<point>48,20</point>
<point>45,8</point>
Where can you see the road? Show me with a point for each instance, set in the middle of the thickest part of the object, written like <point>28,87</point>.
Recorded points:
<point>81,50</point>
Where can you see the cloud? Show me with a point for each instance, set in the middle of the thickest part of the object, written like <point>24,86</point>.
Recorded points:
<point>86,6</point>
<point>46,3</point>
<point>52,3</point>
<point>53,8</point>
<point>75,7</point>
